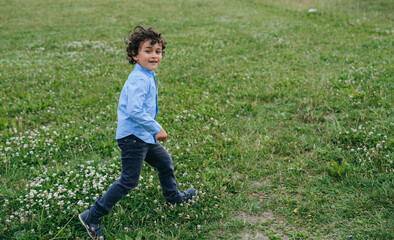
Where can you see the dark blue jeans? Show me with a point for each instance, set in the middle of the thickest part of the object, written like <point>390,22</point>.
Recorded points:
<point>133,153</point>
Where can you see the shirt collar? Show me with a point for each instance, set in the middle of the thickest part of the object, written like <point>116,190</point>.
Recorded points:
<point>149,73</point>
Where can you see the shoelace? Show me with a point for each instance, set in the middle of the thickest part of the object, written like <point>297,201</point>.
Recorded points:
<point>94,230</point>
<point>95,234</point>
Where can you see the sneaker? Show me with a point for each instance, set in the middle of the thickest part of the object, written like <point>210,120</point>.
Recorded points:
<point>185,196</point>
<point>93,226</point>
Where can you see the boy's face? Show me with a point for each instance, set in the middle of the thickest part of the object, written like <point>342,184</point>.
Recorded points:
<point>149,56</point>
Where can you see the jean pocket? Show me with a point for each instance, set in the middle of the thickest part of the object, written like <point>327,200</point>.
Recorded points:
<point>130,141</point>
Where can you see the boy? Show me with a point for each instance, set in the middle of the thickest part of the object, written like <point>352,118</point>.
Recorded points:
<point>137,132</point>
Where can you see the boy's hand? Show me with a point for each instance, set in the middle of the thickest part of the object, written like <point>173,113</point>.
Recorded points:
<point>162,135</point>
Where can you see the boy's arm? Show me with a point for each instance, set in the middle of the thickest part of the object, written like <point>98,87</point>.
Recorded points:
<point>136,92</point>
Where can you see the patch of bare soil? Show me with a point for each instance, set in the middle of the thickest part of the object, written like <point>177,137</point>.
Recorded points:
<point>259,235</point>
<point>249,234</point>
<point>260,183</point>
<point>266,216</point>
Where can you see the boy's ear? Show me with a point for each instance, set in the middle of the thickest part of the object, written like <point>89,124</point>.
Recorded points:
<point>134,56</point>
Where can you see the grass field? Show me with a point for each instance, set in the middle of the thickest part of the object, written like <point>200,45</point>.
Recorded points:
<point>280,116</point>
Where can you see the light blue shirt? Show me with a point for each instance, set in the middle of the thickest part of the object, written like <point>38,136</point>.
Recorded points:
<point>138,108</point>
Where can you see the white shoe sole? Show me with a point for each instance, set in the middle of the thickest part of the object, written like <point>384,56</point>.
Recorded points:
<point>86,226</point>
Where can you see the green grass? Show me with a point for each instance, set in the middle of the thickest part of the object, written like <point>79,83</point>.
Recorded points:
<point>280,117</point>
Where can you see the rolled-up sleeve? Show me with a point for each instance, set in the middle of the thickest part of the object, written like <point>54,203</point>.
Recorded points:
<point>137,92</point>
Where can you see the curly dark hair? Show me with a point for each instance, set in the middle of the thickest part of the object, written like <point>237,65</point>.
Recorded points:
<point>138,36</point>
